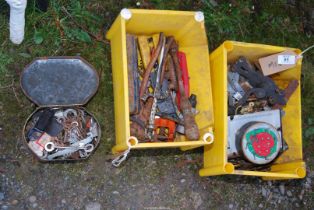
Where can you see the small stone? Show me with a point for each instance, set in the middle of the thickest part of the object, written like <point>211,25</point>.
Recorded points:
<point>93,206</point>
<point>289,193</point>
<point>182,180</point>
<point>230,206</point>
<point>4,207</point>
<point>260,206</point>
<point>188,157</point>
<point>269,183</point>
<point>14,202</point>
<point>301,195</point>
<point>213,3</point>
<point>309,181</point>
<point>1,196</point>
<point>32,199</point>
<point>63,201</point>
<point>297,205</point>
<point>292,2</point>
<point>115,193</point>
<point>264,192</point>
<point>197,200</point>
<point>34,205</point>
<point>282,189</point>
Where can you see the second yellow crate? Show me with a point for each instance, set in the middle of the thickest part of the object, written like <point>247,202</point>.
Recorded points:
<point>290,164</point>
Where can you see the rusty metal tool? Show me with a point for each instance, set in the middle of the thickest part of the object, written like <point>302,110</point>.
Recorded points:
<point>263,87</point>
<point>150,66</point>
<point>289,90</point>
<point>191,128</point>
<point>139,121</point>
<point>150,127</point>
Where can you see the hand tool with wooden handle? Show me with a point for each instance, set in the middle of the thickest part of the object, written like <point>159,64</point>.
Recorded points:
<point>169,41</point>
<point>173,84</point>
<point>191,128</point>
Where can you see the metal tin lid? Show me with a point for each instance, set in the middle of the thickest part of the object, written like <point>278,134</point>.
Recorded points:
<point>261,143</point>
<point>59,81</point>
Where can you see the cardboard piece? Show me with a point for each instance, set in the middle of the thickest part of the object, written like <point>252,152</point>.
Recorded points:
<point>278,62</point>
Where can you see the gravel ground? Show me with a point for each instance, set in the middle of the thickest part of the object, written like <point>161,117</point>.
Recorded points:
<point>166,179</point>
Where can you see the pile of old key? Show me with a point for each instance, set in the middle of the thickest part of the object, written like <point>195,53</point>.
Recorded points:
<point>61,133</point>
<point>159,100</point>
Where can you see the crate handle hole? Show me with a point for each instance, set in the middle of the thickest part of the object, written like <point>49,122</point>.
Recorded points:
<point>208,137</point>
<point>132,141</point>
<point>126,14</point>
<point>301,172</point>
<point>199,16</point>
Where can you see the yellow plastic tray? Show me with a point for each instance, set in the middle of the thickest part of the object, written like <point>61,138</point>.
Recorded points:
<point>290,164</point>
<point>189,30</point>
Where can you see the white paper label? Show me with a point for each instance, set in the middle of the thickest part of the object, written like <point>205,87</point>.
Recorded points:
<point>286,59</point>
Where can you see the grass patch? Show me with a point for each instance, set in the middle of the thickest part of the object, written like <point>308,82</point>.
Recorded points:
<point>78,28</point>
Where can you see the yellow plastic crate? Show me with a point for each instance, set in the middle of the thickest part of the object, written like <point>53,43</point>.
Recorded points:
<point>290,164</point>
<point>189,30</point>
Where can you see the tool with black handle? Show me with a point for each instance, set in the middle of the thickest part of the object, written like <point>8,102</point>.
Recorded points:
<point>263,86</point>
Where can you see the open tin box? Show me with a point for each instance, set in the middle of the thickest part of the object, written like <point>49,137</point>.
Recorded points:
<point>60,128</point>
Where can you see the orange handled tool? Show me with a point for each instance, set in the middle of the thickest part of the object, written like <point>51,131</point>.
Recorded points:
<point>164,129</point>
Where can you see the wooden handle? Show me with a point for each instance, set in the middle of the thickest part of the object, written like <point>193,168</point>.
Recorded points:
<point>190,126</point>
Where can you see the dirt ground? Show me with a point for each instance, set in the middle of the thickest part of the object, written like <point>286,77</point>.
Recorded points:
<point>149,179</point>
